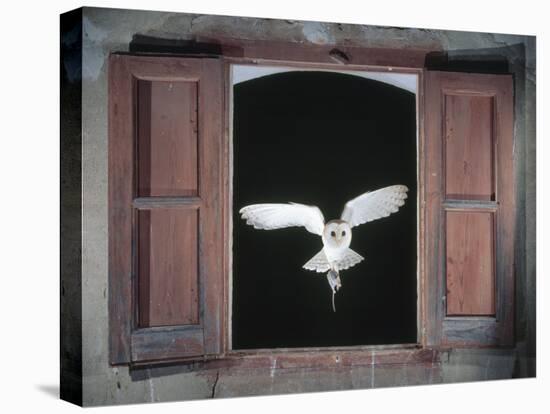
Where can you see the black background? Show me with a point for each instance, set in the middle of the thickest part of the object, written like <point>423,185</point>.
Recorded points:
<point>322,138</point>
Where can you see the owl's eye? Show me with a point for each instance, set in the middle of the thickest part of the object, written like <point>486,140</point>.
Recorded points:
<point>344,233</point>
<point>333,234</point>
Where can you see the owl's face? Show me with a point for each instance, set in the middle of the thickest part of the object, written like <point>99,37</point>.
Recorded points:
<point>337,234</point>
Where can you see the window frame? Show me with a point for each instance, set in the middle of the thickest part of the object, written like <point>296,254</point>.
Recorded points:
<point>324,57</point>
<point>228,139</point>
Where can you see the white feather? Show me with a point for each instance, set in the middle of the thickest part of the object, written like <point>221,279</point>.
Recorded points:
<point>349,259</point>
<point>374,205</point>
<point>318,263</point>
<point>278,216</point>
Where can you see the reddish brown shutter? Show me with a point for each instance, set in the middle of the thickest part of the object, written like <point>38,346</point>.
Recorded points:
<point>165,208</point>
<point>469,209</point>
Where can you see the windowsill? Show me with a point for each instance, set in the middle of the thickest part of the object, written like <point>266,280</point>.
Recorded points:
<point>241,352</point>
<point>331,357</point>
<point>314,358</point>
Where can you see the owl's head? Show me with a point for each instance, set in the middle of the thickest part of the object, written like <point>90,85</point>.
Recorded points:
<point>337,234</point>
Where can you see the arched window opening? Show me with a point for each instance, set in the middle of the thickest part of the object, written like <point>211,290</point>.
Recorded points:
<point>322,138</point>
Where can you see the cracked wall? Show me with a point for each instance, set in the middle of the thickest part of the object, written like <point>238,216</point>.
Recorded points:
<point>109,30</point>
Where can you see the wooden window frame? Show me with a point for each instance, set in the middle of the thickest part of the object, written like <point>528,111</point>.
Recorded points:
<point>328,58</point>
<point>426,350</point>
<point>358,349</point>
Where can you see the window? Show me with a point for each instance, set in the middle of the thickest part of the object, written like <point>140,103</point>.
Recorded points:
<point>170,211</point>
<point>322,138</point>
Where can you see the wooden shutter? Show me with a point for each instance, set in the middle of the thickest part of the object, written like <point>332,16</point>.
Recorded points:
<point>469,191</point>
<point>165,208</point>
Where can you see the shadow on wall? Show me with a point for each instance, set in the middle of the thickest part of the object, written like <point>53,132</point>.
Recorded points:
<point>189,47</point>
<point>490,60</point>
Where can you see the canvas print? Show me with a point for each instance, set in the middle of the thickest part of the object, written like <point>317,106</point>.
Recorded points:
<point>258,206</point>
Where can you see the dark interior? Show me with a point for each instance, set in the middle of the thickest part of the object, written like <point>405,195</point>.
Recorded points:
<point>323,138</point>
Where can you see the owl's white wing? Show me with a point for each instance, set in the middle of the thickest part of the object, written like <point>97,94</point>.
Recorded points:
<point>278,216</point>
<point>374,205</point>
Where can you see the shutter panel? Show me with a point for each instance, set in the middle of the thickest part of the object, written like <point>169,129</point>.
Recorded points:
<point>469,191</point>
<point>165,211</point>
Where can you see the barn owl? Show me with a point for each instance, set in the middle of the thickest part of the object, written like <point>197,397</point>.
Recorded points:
<point>335,234</point>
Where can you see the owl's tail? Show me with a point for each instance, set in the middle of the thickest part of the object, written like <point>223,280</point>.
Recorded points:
<point>320,264</point>
<point>349,259</point>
